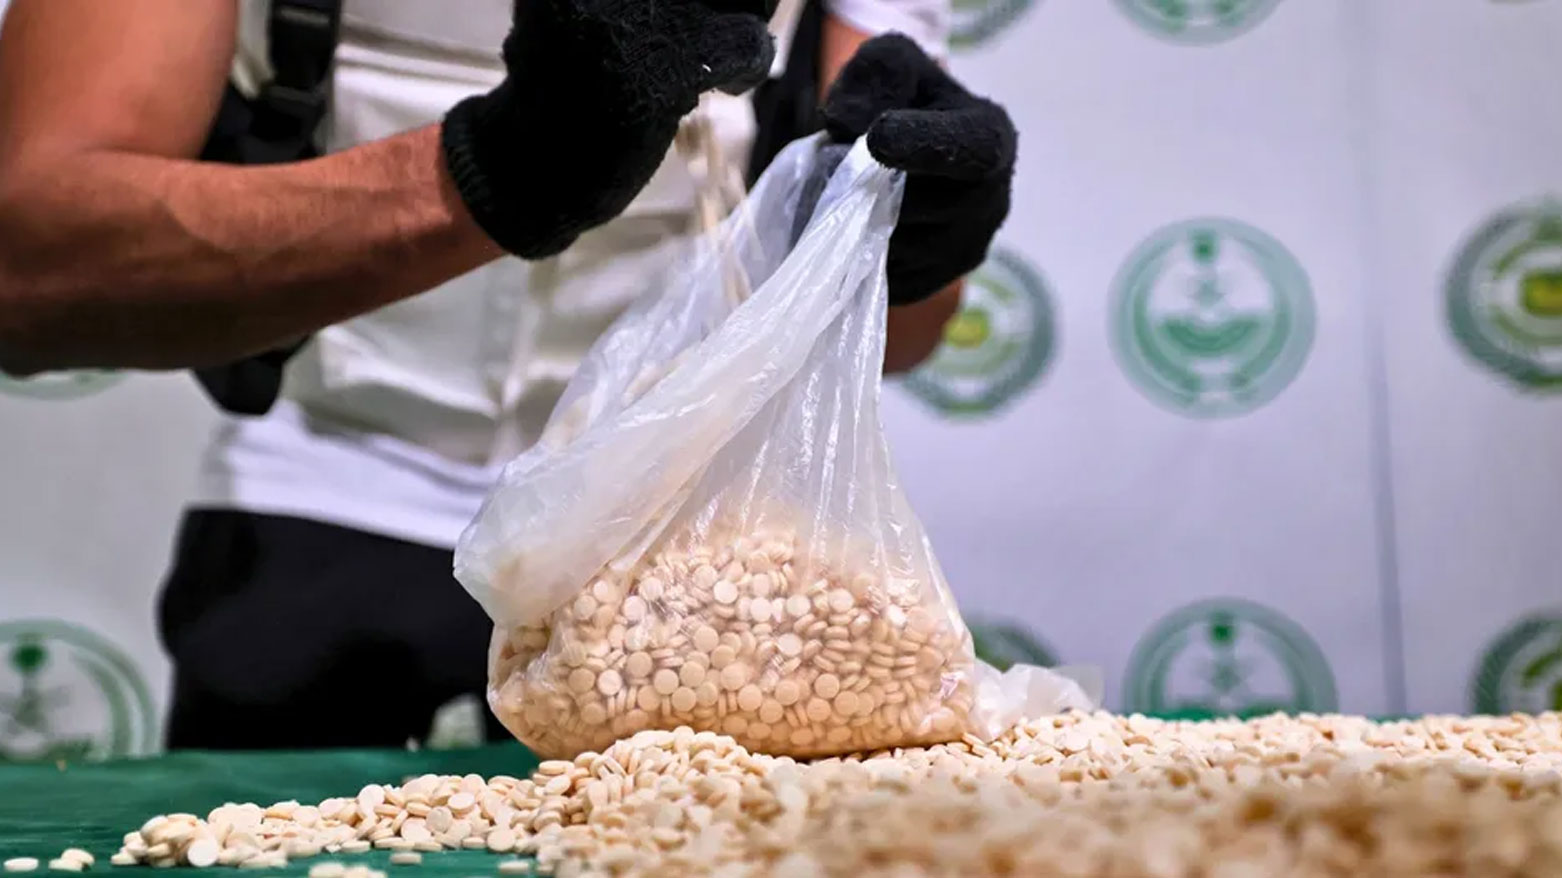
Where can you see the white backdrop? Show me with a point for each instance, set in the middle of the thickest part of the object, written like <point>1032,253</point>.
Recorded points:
<point>1254,406</point>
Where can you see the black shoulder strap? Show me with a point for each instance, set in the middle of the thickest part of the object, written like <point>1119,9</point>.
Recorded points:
<point>788,108</point>
<point>278,125</point>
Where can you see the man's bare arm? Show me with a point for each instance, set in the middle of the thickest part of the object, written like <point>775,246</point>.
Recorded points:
<point>118,250</point>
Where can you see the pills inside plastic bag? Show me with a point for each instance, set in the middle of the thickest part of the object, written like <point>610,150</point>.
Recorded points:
<point>738,636</point>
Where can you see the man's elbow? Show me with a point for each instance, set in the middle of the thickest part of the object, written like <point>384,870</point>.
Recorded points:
<point>27,336</point>
<point>22,352</point>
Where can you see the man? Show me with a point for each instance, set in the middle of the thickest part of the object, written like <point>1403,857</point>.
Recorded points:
<point>476,221</point>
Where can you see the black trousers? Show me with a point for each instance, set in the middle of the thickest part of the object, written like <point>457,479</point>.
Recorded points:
<point>286,633</point>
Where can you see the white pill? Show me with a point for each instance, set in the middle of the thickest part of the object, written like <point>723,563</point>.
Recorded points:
<point>581,680</point>
<point>21,864</point>
<point>692,673</point>
<point>202,853</point>
<point>123,858</point>
<point>58,865</point>
<point>665,682</point>
<point>827,686</point>
<point>327,870</point>
<point>734,676</point>
<point>634,608</point>
<point>788,692</point>
<point>706,638</point>
<point>605,592</point>
<point>406,858</point>
<point>750,698</point>
<point>415,830</point>
<point>370,797</point>
<point>759,610</point>
<point>501,840</point>
<point>515,867</point>
<point>609,683</point>
<point>639,665</point>
<point>683,699</point>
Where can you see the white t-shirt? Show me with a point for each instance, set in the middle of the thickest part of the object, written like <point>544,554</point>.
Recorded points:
<point>398,421</point>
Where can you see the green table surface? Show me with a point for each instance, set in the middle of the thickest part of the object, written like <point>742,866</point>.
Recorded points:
<point>44,809</point>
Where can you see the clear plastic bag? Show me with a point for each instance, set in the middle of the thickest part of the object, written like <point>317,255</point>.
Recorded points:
<point>711,533</point>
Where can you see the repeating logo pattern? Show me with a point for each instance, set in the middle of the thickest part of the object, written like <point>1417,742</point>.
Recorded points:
<point>67,693</point>
<point>997,347</point>
<point>59,385</point>
<point>1212,317</point>
<point>1228,657</point>
<point>1522,669</point>
<point>1198,22</point>
<point>1504,295</point>
<point>977,21</point>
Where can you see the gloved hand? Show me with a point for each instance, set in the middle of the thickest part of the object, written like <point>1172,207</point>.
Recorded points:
<point>591,102</point>
<point>957,150</point>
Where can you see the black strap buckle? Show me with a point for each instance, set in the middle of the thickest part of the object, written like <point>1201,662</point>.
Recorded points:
<point>303,109</point>
<point>303,36</point>
<point>277,125</point>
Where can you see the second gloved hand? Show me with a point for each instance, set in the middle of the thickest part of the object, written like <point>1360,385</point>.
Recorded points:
<point>957,150</point>
<point>592,99</point>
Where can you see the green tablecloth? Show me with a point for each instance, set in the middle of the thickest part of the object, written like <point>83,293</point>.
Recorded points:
<point>44,810</point>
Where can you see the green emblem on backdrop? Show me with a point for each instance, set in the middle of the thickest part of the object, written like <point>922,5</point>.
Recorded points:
<point>977,21</point>
<point>66,693</point>
<point>1521,672</point>
<point>1228,657</point>
<point>997,347</point>
<point>59,385</point>
<point>1006,644</point>
<point>1504,295</point>
<point>1198,22</point>
<point>1211,317</point>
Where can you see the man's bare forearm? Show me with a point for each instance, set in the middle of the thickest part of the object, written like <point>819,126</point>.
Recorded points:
<point>110,259</point>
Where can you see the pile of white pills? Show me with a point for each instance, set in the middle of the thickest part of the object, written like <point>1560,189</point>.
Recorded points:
<point>740,636</point>
<point>1092,796</point>
<point>427,814</point>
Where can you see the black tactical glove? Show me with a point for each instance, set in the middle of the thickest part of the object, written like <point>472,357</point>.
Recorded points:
<point>957,151</point>
<point>592,100</point>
